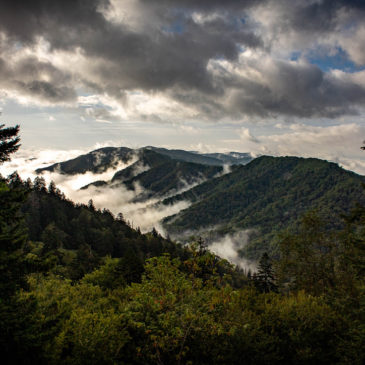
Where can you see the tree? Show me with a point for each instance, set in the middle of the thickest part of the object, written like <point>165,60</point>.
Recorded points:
<point>202,246</point>
<point>91,205</point>
<point>52,189</point>
<point>40,183</point>
<point>9,142</point>
<point>11,233</point>
<point>264,279</point>
<point>309,258</point>
<point>16,323</point>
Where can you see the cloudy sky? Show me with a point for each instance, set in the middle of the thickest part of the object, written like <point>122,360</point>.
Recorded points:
<point>264,76</point>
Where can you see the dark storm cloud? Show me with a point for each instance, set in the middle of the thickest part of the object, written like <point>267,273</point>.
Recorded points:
<point>318,16</point>
<point>25,20</point>
<point>40,80</point>
<point>296,90</point>
<point>149,61</point>
<point>168,49</point>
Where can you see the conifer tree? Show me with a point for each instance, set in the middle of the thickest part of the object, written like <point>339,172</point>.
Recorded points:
<point>15,317</point>
<point>11,234</point>
<point>264,279</point>
<point>9,142</point>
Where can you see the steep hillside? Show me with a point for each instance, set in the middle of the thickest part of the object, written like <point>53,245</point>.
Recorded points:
<point>268,195</point>
<point>73,238</point>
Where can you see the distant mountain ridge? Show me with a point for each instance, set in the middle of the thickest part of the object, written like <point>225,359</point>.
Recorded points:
<point>100,160</point>
<point>159,175</point>
<point>158,171</point>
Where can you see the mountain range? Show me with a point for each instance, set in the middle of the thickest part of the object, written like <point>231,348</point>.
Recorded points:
<point>225,193</point>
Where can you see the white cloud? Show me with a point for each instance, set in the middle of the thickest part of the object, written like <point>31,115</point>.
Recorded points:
<point>228,247</point>
<point>339,143</point>
<point>245,134</point>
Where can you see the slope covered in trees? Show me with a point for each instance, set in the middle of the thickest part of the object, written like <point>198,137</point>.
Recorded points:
<point>75,237</point>
<point>268,195</point>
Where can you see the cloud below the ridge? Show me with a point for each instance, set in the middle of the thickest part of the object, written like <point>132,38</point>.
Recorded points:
<point>228,247</point>
<point>144,214</point>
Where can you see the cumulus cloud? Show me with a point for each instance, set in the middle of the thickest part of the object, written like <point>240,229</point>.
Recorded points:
<point>245,134</point>
<point>338,143</point>
<point>172,61</point>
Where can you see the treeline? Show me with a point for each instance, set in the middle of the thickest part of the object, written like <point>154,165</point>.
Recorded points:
<point>267,196</point>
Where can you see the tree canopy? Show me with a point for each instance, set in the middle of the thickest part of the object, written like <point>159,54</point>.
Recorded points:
<point>9,141</point>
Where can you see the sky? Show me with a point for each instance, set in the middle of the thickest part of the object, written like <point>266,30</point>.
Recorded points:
<point>276,77</point>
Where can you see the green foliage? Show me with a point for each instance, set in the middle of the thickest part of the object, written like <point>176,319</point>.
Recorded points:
<point>63,227</point>
<point>308,258</point>
<point>9,142</point>
<point>330,265</point>
<point>12,237</point>
<point>264,279</point>
<point>269,195</point>
<point>173,317</point>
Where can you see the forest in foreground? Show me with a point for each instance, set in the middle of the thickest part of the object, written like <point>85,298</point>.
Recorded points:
<point>79,285</point>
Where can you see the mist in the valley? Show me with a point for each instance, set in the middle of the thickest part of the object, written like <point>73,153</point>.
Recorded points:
<point>229,246</point>
<point>144,214</point>
<point>116,197</point>
<point>226,246</point>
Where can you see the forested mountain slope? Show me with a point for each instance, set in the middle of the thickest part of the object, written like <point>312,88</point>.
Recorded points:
<point>268,195</point>
<point>108,157</point>
<point>159,175</point>
<point>75,237</point>
<point>168,176</point>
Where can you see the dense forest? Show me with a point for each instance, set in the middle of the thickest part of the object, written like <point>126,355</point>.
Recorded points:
<point>78,285</point>
<point>268,196</point>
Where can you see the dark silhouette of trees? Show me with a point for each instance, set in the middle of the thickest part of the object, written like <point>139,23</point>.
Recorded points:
<point>17,339</point>
<point>9,142</point>
<point>264,279</point>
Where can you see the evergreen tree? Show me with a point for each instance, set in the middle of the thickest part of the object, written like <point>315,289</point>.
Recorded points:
<point>264,279</point>
<point>202,246</point>
<point>52,189</point>
<point>17,340</point>
<point>40,183</point>
<point>130,267</point>
<point>9,142</point>
<point>11,235</point>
